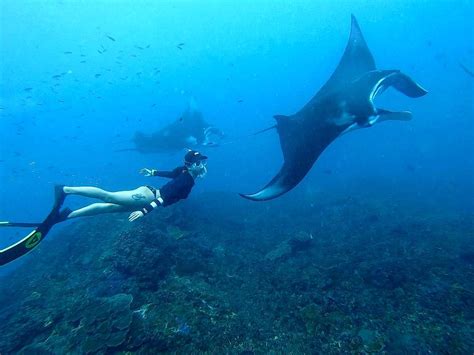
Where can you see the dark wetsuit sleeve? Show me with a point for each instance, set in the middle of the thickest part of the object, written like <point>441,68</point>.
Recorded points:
<point>177,189</point>
<point>168,174</point>
<point>153,204</point>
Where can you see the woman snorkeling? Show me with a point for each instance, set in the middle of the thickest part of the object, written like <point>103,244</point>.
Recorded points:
<point>142,200</point>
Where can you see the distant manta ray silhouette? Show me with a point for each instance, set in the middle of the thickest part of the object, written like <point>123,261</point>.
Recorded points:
<point>343,104</point>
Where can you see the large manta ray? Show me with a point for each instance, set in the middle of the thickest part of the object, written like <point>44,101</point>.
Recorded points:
<point>190,130</point>
<point>343,104</point>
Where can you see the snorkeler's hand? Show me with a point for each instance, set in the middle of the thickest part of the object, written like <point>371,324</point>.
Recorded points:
<point>146,172</point>
<point>135,215</point>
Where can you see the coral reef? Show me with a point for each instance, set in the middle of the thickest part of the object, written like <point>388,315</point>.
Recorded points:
<point>358,275</point>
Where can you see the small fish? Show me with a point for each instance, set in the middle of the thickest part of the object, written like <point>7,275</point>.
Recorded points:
<point>140,48</point>
<point>147,47</point>
<point>97,75</point>
<point>467,70</point>
<point>100,52</point>
<point>111,38</point>
<point>240,101</point>
<point>67,52</point>
<point>82,61</point>
<point>56,76</point>
<point>28,89</point>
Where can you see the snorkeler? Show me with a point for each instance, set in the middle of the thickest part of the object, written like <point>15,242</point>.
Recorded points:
<point>141,201</point>
<point>144,199</point>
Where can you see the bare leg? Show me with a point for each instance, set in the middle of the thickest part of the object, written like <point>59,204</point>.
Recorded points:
<point>98,208</point>
<point>133,198</point>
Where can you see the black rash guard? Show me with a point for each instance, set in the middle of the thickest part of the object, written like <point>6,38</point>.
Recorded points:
<point>177,189</point>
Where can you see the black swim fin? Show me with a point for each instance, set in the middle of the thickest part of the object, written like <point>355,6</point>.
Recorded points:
<point>35,237</point>
<point>18,224</point>
<point>63,215</point>
<point>59,196</point>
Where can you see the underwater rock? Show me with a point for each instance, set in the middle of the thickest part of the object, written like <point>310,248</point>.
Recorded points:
<point>137,334</point>
<point>122,320</point>
<point>389,275</point>
<point>117,338</point>
<point>93,344</point>
<point>177,233</point>
<point>282,250</point>
<point>300,242</point>
<point>121,301</point>
<point>106,323</point>
<point>189,266</point>
<point>311,315</point>
<point>371,340</point>
<point>36,349</point>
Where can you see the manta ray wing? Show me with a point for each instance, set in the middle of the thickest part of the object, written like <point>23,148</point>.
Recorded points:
<point>298,156</point>
<point>355,61</point>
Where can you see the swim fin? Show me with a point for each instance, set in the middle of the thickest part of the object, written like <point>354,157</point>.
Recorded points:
<point>32,240</point>
<point>59,195</point>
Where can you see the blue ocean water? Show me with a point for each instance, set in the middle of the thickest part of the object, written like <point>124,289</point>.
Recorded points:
<point>272,55</point>
<point>79,78</point>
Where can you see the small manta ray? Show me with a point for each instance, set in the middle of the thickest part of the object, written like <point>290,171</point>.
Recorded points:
<point>343,104</point>
<point>188,131</point>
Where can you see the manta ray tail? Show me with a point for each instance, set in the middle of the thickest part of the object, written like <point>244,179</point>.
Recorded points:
<point>386,115</point>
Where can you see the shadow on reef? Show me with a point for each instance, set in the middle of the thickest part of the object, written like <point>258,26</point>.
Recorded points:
<point>360,274</point>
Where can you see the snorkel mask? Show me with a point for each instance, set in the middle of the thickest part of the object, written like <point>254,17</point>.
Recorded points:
<point>198,169</point>
<point>195,163</point>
